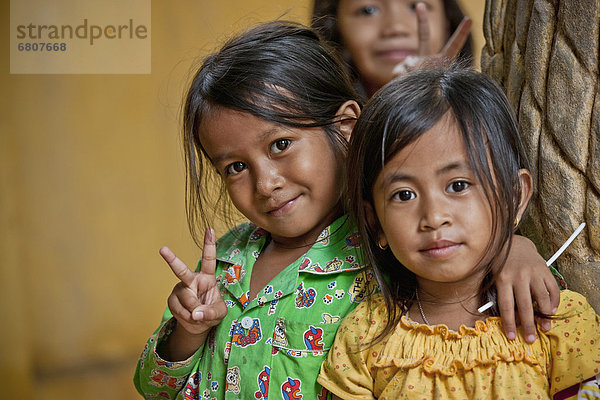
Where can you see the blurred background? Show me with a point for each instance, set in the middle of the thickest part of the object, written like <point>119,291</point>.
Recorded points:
<point>91,185</point>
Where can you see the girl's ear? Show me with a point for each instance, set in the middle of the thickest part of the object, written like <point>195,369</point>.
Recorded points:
<point>373,225</point>
<point>526,183</point>
<point>347,115</point>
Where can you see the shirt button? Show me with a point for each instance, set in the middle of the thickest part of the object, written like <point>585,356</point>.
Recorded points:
<point>247,322</point>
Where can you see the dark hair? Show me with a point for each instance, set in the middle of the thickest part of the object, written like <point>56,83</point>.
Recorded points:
<point>279,71</point>
<point>396,116</point>
<point>324,20</point>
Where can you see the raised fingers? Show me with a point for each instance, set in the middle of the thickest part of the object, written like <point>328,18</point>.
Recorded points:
<point>181,271</point>
<point>458,39</point>
<point>209,252</point>
<point>423,30</point>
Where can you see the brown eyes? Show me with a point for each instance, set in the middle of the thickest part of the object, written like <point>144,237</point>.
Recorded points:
<point>234,168</point>
<point>280,145</point>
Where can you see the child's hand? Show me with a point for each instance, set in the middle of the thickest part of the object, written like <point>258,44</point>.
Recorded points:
<point>425,52</point>
<point>525,275</point>
<point>195,301</point>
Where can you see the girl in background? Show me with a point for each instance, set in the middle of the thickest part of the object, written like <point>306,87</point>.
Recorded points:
<point>439,184</point>
<point>270,113</point>
<point>384,38</point>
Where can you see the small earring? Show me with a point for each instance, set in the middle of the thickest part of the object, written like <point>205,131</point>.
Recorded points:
<point>382,247</point>
<point>516,222</point>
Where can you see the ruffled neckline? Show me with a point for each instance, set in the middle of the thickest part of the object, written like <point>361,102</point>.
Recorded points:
<point>440,350</point>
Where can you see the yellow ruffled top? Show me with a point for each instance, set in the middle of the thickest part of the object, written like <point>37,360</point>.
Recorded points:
<point>418,361</point>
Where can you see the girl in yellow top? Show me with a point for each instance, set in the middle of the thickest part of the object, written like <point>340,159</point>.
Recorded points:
<point>438,186</point>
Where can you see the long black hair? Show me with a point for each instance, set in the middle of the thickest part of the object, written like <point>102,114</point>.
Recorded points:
<point>279,71</point>
<point>396,116</point>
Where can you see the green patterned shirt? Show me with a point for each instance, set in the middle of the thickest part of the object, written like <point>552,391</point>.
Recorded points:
<point>271,346</point>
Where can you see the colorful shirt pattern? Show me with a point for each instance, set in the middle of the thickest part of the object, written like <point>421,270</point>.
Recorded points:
<point>418,361</point>
<point>270,346</point>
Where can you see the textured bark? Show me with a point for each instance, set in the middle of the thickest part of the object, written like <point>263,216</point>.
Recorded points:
<point>545,54</point>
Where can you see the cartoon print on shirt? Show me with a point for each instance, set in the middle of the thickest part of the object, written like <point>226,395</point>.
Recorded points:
<point>243,337</point>
<point>226,351</point>
<point>291,389</point>
<point>263,384</point>
<point>161,379</point>
<point>352,241</point>
<point>323,394</point>
<point>313,339</point>
<point>268,289</point>
<point>328,299</point>
<point>158,396</point>
<point>257,234</point>
<point>362,287</point>
<point>324,237</point>
<point>230,303</point>
<point>243,299</point>
<point>330,319</point>
<point>333,265</point>
<point>211,342</point>
<point>279,335</point>
<point>273,307</point>
<point>305,298</point>
<point>261,301</point>
<point>191,388</point>
<point>214,386</point>
<point>339,294</point>
<point>232,275</point>
<point>232,380</point>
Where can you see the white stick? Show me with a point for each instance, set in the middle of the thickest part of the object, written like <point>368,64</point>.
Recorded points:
<point>548,263</point>
<point>567,243</point>
<point>485,307</point>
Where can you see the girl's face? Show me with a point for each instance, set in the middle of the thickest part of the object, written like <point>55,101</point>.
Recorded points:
<point>431,210</point>
<point>379,34</point>
<point>285,180</point>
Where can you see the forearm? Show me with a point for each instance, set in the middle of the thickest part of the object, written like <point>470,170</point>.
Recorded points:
<point>180,344</point>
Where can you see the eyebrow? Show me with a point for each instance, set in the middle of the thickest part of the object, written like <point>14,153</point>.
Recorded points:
<point>453,166</point>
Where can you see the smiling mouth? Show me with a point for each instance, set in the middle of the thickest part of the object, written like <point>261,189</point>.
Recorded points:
<point>395,55</point>
<point>441,250</point>
<point>283,208</point>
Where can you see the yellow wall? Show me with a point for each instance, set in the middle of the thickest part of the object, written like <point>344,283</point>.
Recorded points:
<point>91,183</point>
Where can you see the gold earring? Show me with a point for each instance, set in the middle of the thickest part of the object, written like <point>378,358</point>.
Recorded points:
<point>516,222</point>
<point>382,247</point>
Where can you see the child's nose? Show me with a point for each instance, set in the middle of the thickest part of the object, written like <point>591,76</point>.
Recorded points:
<point>435,214</point>
<point>268,179</point>
<point>396,21</point>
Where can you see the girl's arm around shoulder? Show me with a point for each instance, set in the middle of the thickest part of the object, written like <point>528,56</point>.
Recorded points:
<point>345,372</point>
<point>574,342</point>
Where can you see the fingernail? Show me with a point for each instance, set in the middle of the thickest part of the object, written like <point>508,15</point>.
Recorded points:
<point>554,310</point>
<point>198,315</point>
<point>530,338</point>
<point>546,325</point>
<point>511,335</point>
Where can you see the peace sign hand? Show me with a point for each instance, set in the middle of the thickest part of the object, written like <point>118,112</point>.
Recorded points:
<point>448,53</point>
<point>195,301</point>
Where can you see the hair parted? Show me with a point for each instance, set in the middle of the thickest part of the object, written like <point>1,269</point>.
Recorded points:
<point>279,71</point>
<point>396,116</point>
